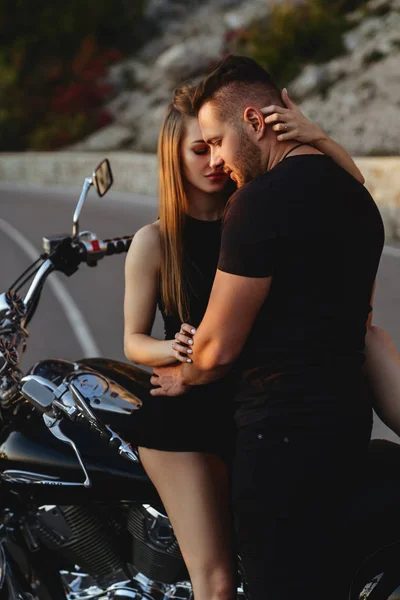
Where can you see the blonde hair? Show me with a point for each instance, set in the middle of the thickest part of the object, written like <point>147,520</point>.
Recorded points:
<point>173,204</point>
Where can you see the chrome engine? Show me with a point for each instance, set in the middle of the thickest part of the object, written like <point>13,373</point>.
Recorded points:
<point>136,556</point>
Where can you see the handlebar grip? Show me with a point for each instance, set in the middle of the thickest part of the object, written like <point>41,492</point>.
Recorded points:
<point>118,245</point>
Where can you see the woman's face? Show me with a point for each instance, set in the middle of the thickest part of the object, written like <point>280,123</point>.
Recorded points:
<point>195,155</point>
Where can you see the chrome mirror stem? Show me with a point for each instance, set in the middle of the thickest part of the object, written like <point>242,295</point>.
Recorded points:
<point>86,187</point>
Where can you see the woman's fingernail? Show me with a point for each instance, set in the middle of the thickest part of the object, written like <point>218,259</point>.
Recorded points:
<point>189,351</point>
<point>193,330</point>
<point>189,360</point>
<point>190,341</point>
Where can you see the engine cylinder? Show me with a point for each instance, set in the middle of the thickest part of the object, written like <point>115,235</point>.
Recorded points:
<point>81,537</point>
<point>156,552</point>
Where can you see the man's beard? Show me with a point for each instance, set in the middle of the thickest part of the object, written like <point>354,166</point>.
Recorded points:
<point>248,160</point>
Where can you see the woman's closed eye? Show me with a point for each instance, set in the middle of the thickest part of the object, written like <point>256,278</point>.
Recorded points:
<point>200,151</point>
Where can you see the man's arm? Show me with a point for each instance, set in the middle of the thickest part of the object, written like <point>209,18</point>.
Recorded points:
<point>233,306</point>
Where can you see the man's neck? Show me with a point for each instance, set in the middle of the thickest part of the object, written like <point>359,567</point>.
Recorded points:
<point>280,151</point>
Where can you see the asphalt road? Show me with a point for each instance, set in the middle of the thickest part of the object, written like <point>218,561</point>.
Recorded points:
<point>83,315</point>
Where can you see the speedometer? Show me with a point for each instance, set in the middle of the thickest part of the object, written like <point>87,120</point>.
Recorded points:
<point>90,385</point>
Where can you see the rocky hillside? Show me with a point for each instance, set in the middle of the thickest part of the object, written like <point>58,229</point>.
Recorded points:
<point>355,97</point>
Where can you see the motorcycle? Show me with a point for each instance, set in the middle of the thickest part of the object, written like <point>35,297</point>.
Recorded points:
<point>79,518</point>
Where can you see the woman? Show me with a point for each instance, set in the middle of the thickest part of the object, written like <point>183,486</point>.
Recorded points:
<point>189,440</point>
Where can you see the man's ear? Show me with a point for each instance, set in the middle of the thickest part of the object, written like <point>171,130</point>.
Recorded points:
<point>254,119</point>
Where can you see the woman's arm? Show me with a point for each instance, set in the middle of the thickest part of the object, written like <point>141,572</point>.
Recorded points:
<point>142,270</point>
<point>331,148</point>
<point>291,124</point>
<point>382,370</point>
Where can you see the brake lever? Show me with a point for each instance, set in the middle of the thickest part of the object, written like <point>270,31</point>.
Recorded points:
<point>114,440</point>
<point>87,412</point>
<point>53,424</point>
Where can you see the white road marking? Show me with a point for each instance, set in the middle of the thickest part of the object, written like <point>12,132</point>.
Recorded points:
<point>391,251</point>
<point>72,312</point>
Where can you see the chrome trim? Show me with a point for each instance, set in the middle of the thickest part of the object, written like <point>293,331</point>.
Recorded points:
<point>85,190</point>
<point>27,477</point>
<point>18,476</point>
<point>124,593</point>
<point>124,449</point>
<point>154,513</point>
<point>80,402</point>
<point>81,586</point>
<point>159,528</point>
<point>113,398</point>
<point>42,380</point>
<point>54,427</point>
<point>370,586</point>
<point>4,306</point>
<point>44,270</point>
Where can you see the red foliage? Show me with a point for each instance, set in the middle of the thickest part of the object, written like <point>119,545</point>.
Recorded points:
<point>76,93</point>
<point>103,118</point>
<point>87,90</point>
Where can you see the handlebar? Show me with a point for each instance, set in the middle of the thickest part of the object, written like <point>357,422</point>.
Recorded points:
<point>62,253</point>
<point>92,249</point>
<point>48,400</point>
<point>66,253</point>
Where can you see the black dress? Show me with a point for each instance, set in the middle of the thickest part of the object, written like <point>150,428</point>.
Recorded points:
<point>202,419</point>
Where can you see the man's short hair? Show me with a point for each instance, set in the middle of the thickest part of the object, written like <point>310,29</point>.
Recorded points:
<point>236,81</point>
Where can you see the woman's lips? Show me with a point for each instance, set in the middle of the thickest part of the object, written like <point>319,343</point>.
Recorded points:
<point>217,176</point>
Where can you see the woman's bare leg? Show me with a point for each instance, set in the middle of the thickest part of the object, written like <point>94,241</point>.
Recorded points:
<point>194,489</point>
<point>382,369</point>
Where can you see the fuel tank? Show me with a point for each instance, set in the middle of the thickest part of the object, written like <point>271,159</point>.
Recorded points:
<point>37,464</point>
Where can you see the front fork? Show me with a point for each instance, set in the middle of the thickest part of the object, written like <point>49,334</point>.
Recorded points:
<point>26,575</point>
<point>10,587</point>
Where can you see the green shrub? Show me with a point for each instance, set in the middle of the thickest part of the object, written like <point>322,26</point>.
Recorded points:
<point>296,34</point>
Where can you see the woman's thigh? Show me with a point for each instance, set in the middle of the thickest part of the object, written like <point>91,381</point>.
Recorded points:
<point>194,488</point>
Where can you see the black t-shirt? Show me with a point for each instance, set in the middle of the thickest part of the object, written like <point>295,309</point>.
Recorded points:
<point>317,232</point>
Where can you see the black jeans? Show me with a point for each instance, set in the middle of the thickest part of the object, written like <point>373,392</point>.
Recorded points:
<point>290,486</point>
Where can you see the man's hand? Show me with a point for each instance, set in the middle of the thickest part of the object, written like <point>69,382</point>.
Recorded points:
<point>168,381</point>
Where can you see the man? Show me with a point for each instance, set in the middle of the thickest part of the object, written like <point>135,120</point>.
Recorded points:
<point>300,249</point>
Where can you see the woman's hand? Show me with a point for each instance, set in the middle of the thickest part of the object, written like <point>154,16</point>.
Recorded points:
<point>290,122</point>
<point>183,342</point>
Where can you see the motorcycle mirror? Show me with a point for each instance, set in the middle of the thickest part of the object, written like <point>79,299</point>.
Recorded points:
<point>102,180</point>
<point>102,177</point>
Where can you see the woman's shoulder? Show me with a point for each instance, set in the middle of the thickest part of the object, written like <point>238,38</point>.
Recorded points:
<point>146,244</point>
<point>149,235</point>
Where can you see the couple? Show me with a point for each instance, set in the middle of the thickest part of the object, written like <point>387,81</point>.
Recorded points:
<point>257,400</point>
